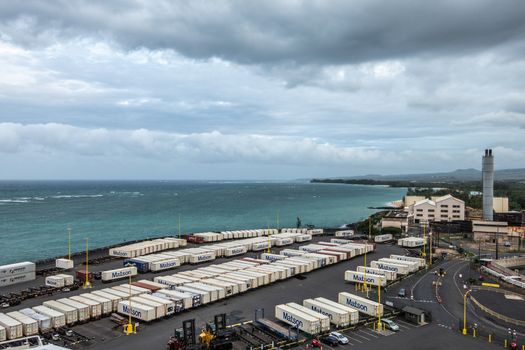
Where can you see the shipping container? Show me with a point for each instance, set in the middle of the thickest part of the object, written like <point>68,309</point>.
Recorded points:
<point>361,277</point>
<point>17,269</point>
<point>55,281</point>
<point>142,263</point>
<point>306,323</point>
<point>141,312</point>
<point>57,318</point>
<point>189,300</point>
<point>397,268</point>
<point>169,305</point>
<point>44,322</point>
<point>230,287</point>
<point>19,278</point>
<point>340,240</point>
<point>64,264</point>
<point>201,257</point>
<point>205,296</point>
<point>115,292</point>
<point>354,314</point>
<point>164,265</point>
<point>337,316</point>
<point>81,276</point>
<point>272,257</point>
<point>29,325</point>
<point>421,262</point>
<point>114,298</point>
<point>133,287</point>
<point>81,309</point>
<point>216,293</point>
<point>160,310</point>
<point>293,269</point>
<point>413,266</point>
<point>383,238</point>
<point>113,275</point>
<point>344,233</point>
<point>151,286</point>
<point>363,305</point>
<point>95,308</point>
<point>338,256</point>
<point>323,319</point>
<point>68,311</point>
<point>243,283</point>
<point>3,334</point>
<point>389,275</point>
<point>13,328</point>
<point>260,278</point>
<point>303,238</point>
<point>68,279</point>
<point>107,306</point>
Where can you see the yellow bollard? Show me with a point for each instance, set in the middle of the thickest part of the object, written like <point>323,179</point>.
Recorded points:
<point>523,347</point>
<point>474,333</point>
<point>490,338</point>
<point>505,343</point>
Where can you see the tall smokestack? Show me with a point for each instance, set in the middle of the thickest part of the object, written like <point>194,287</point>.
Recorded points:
<point>488,184</point>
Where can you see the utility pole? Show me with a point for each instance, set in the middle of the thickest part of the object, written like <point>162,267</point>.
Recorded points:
<point>497,242</point>
<point>69,243</point>
<point>179,226</point>
<point>87,283</point>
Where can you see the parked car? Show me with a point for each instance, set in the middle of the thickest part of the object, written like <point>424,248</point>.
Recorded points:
<point>329,340</point>
<point>390,325</point>
<point>402,293</point>
<point>507,244</point>
<point>341,338</point>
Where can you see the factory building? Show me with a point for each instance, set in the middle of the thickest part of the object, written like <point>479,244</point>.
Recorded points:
<point>445,208</point>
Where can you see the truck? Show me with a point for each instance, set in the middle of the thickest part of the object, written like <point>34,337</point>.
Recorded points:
<point>363,305</point>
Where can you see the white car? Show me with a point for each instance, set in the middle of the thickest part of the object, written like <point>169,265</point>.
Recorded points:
<point>340,338</point>
<point>390,325</point>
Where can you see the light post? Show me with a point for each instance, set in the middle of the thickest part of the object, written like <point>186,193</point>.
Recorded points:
<point>430,250</point>
<point>87,283</point>
<point>465,312</point>
<point>128,328</point>
<point>380,305</point>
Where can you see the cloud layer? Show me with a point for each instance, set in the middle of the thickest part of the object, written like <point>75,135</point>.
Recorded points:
<point>321,87</point>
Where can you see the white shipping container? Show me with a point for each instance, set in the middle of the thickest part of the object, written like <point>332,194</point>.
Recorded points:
<point>205,296</point>
<point>242,283</point>
<point>55,281</point>
<point>397,268</point>
<point>233,251</point>
<point>323,319</point>
<point>107,306</point>
<point>14,279</point>
<point>116,274</point>
<point>44,322</point>
<point>3,335</point>
<point>421,262</point>
<point>337,316</point>
<point>164,265</point>
<point>68,279</point>
<point>160,310</point>
<point>58,319</point>
<point>344,233</point>
<point>340,240</point>
<point>29,325</point>
<point>141,312</point>
<point>201,257</point>
<point>296,318</point>
<point>17,268</point>
<point>95,308</point>
<point>186,298</point>
<point>230,288</point>
<point>115,292</point>
<point>169,305</point>
<point>354,314</point>
<point>13,328</point>
<point>383,238</point>
<point>412,265</point>
<point>363,305</point>
<point>215,292</point>
<point>389,275</point>
<point>360,277</point>
<point>68,311</point>
<point>64,264</point>
<point>82,310</point>
<point>114,298</point>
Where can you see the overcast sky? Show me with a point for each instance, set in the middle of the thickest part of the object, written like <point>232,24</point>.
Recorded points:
<point>258,89</point>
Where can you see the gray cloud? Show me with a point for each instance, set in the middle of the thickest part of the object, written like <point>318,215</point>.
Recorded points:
<point>301,32</point>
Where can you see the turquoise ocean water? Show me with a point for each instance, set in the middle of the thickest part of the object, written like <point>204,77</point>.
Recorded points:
<point>35,215</point>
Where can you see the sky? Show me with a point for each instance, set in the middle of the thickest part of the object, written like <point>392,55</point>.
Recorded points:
<point>259,89</point>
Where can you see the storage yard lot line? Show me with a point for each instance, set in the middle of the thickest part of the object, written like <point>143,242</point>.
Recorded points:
<point>362,336</point>
<point>357,340</point>
<point>370,334</point>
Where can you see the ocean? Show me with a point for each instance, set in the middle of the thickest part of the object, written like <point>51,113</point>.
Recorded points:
<point>35,215</point>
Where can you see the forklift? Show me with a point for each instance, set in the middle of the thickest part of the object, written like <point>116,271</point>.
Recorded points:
<point>214,336</point>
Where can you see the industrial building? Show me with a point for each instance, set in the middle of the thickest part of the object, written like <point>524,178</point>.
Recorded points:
<point>445,208</point>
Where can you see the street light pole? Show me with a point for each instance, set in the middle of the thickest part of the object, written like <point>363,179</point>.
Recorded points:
<point>465,312</point>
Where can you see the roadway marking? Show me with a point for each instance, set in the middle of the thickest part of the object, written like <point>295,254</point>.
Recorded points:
<point>357,340</point>
<point>406,324</point>
<point>362,336</point>
<point>370,334</point>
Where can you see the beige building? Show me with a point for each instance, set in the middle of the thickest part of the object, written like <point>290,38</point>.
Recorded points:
<point>445,208</point>
<point>397,219</point>
<point>500,204</point>
<point>487,231</point>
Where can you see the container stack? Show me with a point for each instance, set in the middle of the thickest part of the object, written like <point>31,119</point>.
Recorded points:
<point>17,273</point>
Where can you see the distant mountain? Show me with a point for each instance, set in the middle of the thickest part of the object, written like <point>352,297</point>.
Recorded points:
<point>459,175</point>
